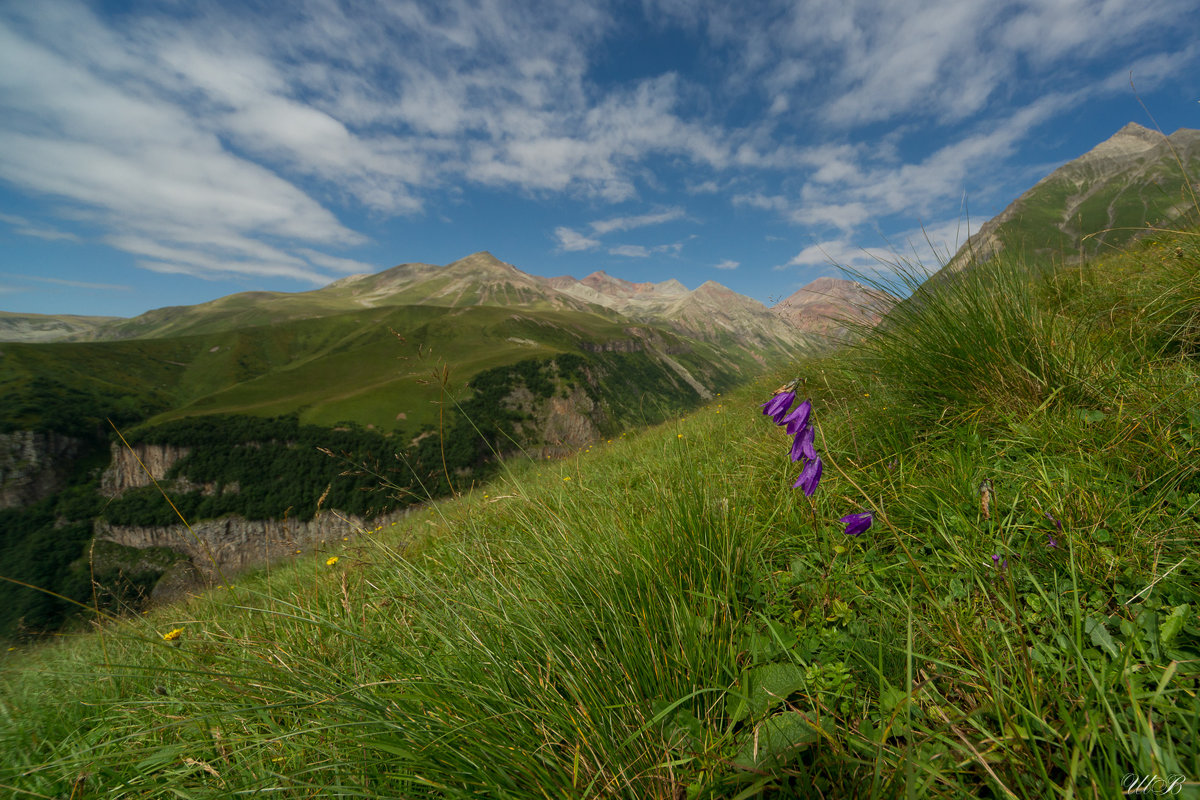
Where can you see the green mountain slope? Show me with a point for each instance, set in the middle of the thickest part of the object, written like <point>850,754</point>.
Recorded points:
<point>479,279</point>
<point>371,367</point>
<point>237,422</point>
<point>1134,181</point>
<point>666,616</point>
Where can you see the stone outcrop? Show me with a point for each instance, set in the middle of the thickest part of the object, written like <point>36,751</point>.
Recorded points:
<point>124,472</point>
<point>556,425</point>
<point>232,544</point>
<point>34,465</point>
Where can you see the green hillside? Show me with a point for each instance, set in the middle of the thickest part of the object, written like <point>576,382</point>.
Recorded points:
<point>366,367</point>
<point>1119,191</point>
<point>424,397</point>
<point>665,616</point>
<point>1055,219</point>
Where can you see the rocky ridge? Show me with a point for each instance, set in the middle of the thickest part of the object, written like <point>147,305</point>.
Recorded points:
<point>829,307</point>
<point>34,465</point>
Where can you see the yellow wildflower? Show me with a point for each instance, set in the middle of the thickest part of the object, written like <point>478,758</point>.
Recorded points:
<point>172,635</point>
<point>329,562</point>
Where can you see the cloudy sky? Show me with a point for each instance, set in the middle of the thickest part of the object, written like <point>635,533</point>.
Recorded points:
<point>170,152</point>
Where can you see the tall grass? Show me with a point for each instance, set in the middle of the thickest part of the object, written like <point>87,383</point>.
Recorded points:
<point>665,617</point>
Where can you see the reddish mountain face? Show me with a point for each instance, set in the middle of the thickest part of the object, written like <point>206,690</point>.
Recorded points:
<point>829,307</point>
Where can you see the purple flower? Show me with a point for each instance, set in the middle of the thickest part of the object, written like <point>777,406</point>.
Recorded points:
<point>1051,542</point>
<point>810,476</point>
<point>778,405</point>
<point>999,563</point>
<point>857,523</point>
<point>798,419</point>
<point>803,445</point>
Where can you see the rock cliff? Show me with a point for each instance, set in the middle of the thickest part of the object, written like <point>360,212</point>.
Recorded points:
<point>561,425</point>
<point>34,465</point>
<point>124,472</point>
<point>232,544</point>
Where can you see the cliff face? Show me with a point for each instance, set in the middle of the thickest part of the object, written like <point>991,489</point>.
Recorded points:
<point>124,472</point>
<point>561,424</point>
<point>231,544</point>
<point>34,465</point>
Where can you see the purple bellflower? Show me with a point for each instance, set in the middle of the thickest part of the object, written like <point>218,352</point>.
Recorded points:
<point>857,523</point>
<point>798,419</point>
<point>778,406</point>
<point>1051,542</point>
<point>802,447</point>
<point>810,476</point>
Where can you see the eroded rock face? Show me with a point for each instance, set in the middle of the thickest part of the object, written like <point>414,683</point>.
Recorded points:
<point>232,544</point>
<point>124,472</point>
<point>556,425</point>
<point>34,465</point>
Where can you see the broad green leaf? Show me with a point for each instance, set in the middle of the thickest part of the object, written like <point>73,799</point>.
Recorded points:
<point>1100,636</point>
<point>764,687</point>
<point>1172,625</point>
<point>776,740</point>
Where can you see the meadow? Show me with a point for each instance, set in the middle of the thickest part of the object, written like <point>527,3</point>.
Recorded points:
<point>663,615</point>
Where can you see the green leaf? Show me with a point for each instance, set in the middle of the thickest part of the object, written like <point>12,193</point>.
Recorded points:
<point>1100,636</point>
<point>891,697</point>
<point>776,740</point>
<point>765,687</point>
<point>1172,625</point>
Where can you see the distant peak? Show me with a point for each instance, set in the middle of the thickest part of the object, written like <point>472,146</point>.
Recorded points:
<point>1131,140</point>
<point>1133,129</point>
<point>479,260</point>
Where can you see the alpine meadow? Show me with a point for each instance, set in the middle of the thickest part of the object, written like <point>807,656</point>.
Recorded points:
<point>478,399</point>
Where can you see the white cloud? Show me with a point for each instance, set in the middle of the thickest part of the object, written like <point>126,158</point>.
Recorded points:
<point>346,265</point>
<point>75,284</point>
<point>727,264</point>
<point>761,201</point>
<point>36,230</point>
<point>640,251</point>
<point>601,227</point>
<point>220,137</point>
<point>571,241</point>
<point>842,253</point>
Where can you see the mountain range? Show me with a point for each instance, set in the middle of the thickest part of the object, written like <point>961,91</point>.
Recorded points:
<point>711,312</point>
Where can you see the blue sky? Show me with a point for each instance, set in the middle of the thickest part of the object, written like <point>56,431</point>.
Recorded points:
<point>171,152</point>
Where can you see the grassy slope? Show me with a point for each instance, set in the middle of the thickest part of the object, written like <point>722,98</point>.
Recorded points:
<point>665,616</point>
<point>1110,218</point>
<point>348,366</point>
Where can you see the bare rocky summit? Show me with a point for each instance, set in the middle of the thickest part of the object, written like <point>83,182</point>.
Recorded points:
<point>830,307</point>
